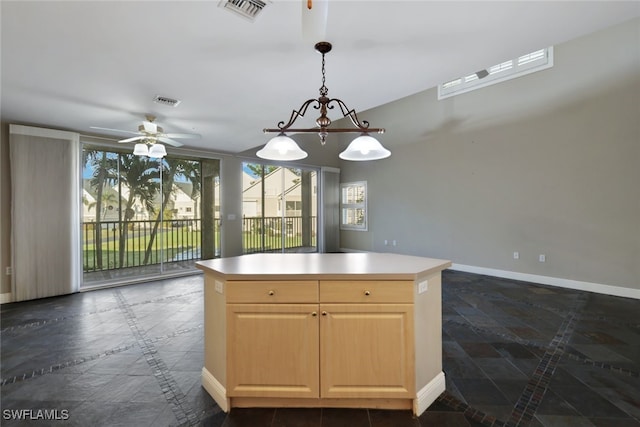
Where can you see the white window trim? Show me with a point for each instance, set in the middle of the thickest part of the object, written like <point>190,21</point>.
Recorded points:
<point>364,205</point>
<point>506,70</point>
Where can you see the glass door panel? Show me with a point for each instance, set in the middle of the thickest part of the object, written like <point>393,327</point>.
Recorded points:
<point>279,209</point>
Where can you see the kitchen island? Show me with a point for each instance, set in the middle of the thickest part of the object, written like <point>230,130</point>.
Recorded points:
<point>323,330</point>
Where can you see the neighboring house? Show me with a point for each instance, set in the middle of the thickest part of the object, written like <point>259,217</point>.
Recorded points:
<point>88,206</point>
<point>282,194</point>
<point>109,207</point>
<point>184,206</point>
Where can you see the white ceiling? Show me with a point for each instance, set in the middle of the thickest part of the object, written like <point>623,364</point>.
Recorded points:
<point>76,64</point>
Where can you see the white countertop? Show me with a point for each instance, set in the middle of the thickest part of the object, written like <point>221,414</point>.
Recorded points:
<point>335,266</point>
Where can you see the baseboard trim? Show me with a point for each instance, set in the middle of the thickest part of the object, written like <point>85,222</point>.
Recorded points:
<point>428,394</point>
<point>5,298</point>
<point>551,281</point>
<point>350,250</point>
<point>215,389</point>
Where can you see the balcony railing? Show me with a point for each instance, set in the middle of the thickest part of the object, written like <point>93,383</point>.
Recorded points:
<point>175,240</point>
<point>264,234</point>
<point>180,240</point>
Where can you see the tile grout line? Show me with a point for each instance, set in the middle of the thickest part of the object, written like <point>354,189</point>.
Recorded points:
<point>104,310</point>
<point>531,344</point>
<point>172,392</point>
<point>58,366</point>
<point>469,412</point>
<point>535,390</point>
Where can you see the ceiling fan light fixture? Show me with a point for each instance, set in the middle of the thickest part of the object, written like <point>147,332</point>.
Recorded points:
<point>141,150</point>
<point>364,148</point>
<point>282,148</point>
<point>157,151</point>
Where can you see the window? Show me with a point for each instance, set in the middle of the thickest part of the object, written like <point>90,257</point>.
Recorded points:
<point>353,206</point>
<point>517,67</point>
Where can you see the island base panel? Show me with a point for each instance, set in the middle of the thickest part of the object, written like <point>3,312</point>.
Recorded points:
<point>249,402</point>
<point>425,397</point>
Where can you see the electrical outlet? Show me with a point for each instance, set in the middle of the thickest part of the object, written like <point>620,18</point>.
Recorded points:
<point>394,243</point>
<point>9,271</point>
<point>423,286</point>
<point>516,255</point>
<point>219,287</point>
<point>386,243</point>
<point>542,258</point>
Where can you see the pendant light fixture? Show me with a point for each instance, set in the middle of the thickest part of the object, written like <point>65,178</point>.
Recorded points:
<point>363,148</point>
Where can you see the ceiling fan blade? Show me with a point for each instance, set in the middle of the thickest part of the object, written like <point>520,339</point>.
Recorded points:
<point>183,135</point>
<point>150,127</point>
<point>135,138</point>
<point>115,130</point>
<point>170,141</point>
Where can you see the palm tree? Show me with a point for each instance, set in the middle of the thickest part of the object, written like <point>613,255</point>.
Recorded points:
<point>140,176</point>
<point>172,168</point>
<point>103,173</point>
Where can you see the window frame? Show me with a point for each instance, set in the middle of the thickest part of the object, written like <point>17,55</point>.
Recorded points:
<point>354,205</point>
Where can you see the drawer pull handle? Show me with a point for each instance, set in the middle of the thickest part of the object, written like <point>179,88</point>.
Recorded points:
<point>272,293</point>
<point>324,313</point>
<point>367,293</point>
<point>314,314</point>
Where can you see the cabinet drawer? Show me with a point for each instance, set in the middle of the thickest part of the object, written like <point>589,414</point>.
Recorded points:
<point>272,291</point>
<point>365,291</point>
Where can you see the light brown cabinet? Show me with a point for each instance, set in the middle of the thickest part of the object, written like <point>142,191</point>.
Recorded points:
<point>272,350</point>
<point>358,348</point>
<point>366,351</point>
<point>319,330</point>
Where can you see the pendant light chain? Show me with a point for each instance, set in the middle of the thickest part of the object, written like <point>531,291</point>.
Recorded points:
<point>323,89</point>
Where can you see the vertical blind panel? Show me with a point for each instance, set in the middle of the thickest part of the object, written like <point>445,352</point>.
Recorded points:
<point>44,174</point>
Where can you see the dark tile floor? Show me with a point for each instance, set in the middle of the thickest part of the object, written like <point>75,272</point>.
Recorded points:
<point>514,354</point>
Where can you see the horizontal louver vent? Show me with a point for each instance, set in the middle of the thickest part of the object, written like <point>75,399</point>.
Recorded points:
<point>248,9</point>
<point>520,66</point>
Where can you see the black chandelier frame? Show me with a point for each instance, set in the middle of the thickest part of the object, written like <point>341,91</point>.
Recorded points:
<point>324,103</point>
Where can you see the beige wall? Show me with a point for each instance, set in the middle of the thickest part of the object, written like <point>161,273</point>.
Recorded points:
<point>5,210</point>
<point>543,164</point>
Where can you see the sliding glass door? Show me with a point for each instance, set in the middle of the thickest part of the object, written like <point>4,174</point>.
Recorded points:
<point>279,209</point>
<point>146,217</point>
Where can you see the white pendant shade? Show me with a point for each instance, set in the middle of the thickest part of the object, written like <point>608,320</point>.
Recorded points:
<point>141,150</point>
<point>157,151</point>
<point>365,148</point>
<point>282,148</point>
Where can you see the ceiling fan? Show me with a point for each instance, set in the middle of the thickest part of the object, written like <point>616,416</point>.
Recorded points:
<point>150,133</point>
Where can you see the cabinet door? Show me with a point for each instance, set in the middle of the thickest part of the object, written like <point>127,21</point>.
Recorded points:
<point>272,350</point>
<point>366,351</point>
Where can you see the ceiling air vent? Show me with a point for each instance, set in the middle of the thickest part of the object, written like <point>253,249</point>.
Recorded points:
<point>164,100</point>
<point>248,9</point>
